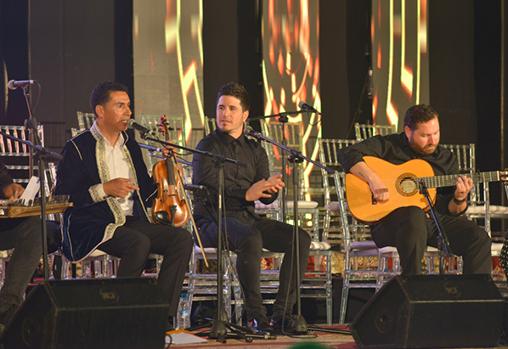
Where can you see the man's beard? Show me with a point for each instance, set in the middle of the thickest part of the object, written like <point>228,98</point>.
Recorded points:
<point>426,150</point>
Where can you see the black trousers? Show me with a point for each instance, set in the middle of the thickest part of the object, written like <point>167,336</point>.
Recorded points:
<point>410,231</point>
<point>133,243</point>
<point>247,236</point>
<point>26,239</point>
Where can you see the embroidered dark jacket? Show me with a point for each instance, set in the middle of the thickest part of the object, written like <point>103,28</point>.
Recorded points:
<point>90,222</point>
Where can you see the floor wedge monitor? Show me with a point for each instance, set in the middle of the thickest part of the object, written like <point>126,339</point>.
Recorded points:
<point>97,313</point>
<point>432,311</point>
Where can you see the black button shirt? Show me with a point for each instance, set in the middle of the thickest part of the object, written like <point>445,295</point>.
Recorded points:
<point>252,167</point>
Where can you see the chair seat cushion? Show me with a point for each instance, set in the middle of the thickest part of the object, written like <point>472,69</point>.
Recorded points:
<point>333,206</point>
<point>97,253</point>
<point>495,249</point>
<point>276,205</point>
<point>480,210</point>
<point>363,245</point>
<point>197,249</point>
<point>319,246</point>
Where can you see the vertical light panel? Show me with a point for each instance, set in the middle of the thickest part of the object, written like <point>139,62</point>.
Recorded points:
<point>168,60</point>
<point>290,31</point>
<point>400,58</point>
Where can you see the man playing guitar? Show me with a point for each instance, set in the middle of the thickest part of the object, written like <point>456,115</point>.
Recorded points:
<point>408,228</point>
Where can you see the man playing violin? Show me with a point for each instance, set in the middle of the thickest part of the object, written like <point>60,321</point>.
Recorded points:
<point>410,229</point>
<point>247,232</point>
<point>103,172</point>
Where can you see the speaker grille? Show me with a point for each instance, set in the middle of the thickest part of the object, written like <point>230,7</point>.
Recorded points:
<point>435,311</point>
<point>107,313</point>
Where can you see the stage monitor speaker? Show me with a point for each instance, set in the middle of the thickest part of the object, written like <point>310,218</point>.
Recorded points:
<point>97,313</point>
<point>432,311</point>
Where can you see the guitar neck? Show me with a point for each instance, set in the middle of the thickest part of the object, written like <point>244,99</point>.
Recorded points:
<point>449,180</point>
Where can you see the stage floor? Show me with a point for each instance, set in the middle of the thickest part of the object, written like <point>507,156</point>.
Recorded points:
<point>327,340</point>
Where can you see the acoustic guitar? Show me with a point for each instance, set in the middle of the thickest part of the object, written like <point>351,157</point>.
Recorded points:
<point>403,183</point>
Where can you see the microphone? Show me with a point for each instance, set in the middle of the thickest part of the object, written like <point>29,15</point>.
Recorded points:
<point>307,107</point>
<point>48,155</point>
<point>258,135</point>
<point>247,129</point>
<point>15,84</point>
<point>140,128</point>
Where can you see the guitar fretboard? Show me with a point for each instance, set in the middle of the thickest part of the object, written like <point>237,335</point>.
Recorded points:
<point>449,180</point>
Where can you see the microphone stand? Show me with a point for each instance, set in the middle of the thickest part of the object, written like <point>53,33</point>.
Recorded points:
<point>40,156</point>
<point>153,150</point>
<point>442,240</point>
<point>294,157</point>
<point>283,119</point>
<point>220,326</point>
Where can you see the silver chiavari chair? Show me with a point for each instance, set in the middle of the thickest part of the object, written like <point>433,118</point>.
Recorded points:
<point>365,265</point>
<point>85,120</point>
<point>364,131</point>
<point>480,207</point>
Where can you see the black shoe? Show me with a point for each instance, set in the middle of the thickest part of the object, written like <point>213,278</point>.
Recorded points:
<point>259,325</point>
<point>288,324</point>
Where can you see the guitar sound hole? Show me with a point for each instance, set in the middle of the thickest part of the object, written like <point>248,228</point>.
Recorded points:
<point>408,186</point>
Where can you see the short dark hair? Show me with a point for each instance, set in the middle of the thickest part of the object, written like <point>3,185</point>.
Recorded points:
<point>418,114</point>
<point>236,90</point>
<point>100,93</point>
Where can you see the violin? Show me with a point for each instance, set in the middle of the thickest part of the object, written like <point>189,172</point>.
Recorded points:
<point>170,206</point>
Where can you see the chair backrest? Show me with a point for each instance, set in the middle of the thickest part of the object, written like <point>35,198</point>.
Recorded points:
<point>364,131</point>
<point>480,194</point>
<point>197,134</point>
<point>176,134</point>
<point>465,154</point>
<point>466,158</point>
<point>76,131</point>
<point>210,125</point>
<point>350,230</point>
<point>329,156</point>
<point>333,184</point>
<point>15,155</point>
<point>293,138</point>
<point>85,120</point>
<point>176,127</point>
<point>292,133</point>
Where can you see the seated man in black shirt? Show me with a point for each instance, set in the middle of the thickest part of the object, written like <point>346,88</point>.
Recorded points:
<point>410,229</point>
<point>247,232</point>
<point>24,236</point>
